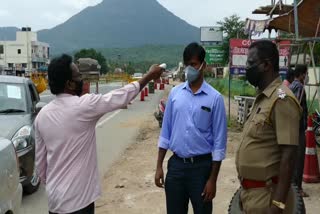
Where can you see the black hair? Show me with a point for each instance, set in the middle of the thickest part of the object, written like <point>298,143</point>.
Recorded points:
<point>300,70</point>
<point>290,74</point>
<point>59,72</point>
<point>192,50</point>
<point>267,50</point>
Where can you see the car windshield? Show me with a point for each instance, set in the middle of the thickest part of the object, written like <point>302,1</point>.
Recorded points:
<point>12,98</point>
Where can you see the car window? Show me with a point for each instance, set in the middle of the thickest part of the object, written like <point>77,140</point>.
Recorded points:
<point>12,96</point>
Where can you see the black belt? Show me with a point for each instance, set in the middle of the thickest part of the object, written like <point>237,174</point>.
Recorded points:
<point>194,159</point>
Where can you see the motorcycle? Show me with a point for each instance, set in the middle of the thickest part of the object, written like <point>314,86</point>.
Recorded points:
<point>160,112</point>
<point>298,208</point>
<point>316,127</point>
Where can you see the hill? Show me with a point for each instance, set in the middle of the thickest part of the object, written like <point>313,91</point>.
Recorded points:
<point>120,24</point>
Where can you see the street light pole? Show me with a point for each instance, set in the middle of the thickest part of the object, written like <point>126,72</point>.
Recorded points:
<point>296,19</point>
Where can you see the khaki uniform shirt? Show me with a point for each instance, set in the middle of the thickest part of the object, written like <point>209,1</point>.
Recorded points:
<point>274,121</point>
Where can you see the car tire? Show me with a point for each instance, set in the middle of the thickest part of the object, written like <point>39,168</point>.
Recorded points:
<point>33,185</point>
<point>234,207</point>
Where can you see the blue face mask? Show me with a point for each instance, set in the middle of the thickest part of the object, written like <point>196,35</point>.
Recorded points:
<point>192,73</point>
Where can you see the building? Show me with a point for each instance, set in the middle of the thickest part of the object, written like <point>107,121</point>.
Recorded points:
<point>24,54</point>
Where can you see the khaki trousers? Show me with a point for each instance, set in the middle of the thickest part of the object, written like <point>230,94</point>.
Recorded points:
<point>258,200</point>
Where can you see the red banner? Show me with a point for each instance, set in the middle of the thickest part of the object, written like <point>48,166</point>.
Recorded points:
<point>239,54</point>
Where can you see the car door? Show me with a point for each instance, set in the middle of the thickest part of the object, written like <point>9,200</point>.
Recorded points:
<point>10,189</point>
<point>34,98</point>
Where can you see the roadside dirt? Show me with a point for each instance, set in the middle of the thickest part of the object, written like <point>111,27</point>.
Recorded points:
<point>128,187</point>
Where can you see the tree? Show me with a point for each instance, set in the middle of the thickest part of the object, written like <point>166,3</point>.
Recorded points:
<point>232,27</point>
<point>92,53</point>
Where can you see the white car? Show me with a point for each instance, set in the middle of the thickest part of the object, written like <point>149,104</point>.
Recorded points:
<point>10,188</point>
<point>137,76</point>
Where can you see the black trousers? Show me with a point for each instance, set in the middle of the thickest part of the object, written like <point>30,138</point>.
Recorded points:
<point>87,210</point>
<point>299,166</point>
<point>184,182</point>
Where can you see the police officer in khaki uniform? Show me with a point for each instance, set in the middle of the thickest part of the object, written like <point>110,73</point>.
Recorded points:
<point>265,158</point>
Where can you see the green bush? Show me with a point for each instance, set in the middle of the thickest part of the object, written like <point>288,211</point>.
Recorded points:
<point>238,87</point>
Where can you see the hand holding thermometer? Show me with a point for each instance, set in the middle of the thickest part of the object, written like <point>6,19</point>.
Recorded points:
<point>163,65</point>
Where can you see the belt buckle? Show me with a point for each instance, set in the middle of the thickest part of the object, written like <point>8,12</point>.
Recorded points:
<point>186,160</point>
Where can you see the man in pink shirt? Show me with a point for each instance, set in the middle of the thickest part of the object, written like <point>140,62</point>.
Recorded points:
<point>66,154</point>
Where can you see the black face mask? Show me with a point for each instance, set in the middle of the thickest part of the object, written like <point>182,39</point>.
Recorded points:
<point>79,87</point>
<point>254,75</point>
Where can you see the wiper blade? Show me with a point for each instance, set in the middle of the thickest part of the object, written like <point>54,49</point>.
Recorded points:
<point>11,111</point>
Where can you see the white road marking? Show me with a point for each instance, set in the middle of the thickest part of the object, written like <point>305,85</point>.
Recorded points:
<point>99,125</point>
<point>91,87</point>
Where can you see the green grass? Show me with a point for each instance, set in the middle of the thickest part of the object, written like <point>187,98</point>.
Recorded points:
<point>241,88</point>
<point>314,107</point>
<point>238,87</point>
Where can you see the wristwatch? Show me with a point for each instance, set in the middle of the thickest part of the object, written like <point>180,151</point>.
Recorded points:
<point>279,204</point>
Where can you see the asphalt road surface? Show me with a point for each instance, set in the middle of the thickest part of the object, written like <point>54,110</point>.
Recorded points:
<point>46,96</point>
<point>115,131</point>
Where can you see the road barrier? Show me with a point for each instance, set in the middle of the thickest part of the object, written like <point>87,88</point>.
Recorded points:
<point>162,86</point>
<point>146,91</point>
<point>311,166</point>
<point>142,95</point>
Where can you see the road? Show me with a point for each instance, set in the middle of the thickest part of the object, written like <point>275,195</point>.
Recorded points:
<point>46,96</point>
<point>115,132</point>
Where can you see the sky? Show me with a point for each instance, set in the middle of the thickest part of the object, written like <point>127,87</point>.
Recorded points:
<point>45,14</point>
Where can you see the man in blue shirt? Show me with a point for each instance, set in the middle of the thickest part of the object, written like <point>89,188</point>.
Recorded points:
<point>297,87</point>
<point>195,130</point>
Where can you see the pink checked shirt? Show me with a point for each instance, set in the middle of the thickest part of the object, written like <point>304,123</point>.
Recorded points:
<point>66,154</point>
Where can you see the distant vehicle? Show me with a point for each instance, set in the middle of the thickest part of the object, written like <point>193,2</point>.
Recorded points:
<point>10,188</point>
<point>159,114</point>
<point>19,106</point>
<point>137,75</point>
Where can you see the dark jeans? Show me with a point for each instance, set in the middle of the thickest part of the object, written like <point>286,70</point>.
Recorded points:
<point>299,166</point>
<point>186,181</point>
<point>87,210</point>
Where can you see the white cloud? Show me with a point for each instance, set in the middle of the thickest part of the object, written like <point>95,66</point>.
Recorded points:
<point>41,14</point>
<point>4,13</point>
<point>56,17</point>
<point>79,4</point>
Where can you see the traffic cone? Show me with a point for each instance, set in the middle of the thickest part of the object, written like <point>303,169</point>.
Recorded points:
<point>146,93</point>
<point>142,95</point>
<point>311,166</point>
<point>162,86</point>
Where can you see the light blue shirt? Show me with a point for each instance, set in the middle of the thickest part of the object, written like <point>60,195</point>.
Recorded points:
<point>195,124</point>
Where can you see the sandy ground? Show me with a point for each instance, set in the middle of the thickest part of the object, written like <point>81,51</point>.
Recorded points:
<point>128,187</point>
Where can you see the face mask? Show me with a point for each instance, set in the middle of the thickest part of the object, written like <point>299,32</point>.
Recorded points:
<point>79,87</point>
<point>192,74</point>
<point>253,75</point>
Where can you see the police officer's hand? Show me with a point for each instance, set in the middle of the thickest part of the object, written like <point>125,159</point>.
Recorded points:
<point>274,210</point>
<point>209,192</point>
<point>159,178</point>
